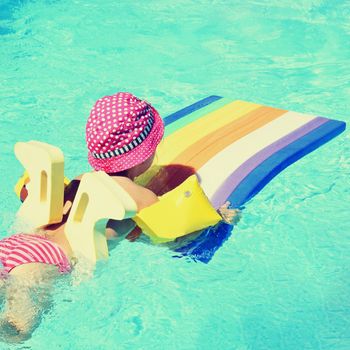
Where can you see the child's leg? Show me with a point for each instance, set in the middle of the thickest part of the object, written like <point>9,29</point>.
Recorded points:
<point>2,289</point>
<point>28,295</point>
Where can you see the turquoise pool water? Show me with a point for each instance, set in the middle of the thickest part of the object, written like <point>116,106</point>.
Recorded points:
<point>282,279</point>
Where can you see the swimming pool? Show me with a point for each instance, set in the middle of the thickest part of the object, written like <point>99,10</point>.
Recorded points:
<point>281,280</point>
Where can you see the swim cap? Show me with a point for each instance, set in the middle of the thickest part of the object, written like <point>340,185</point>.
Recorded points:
<point>122,131</point>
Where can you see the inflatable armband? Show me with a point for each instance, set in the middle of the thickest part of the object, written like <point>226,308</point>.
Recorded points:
<point>45,166</point>
<point>99,198</point>
<point>179,212</point>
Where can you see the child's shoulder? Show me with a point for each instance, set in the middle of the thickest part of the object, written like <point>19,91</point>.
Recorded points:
<point>142,196</point>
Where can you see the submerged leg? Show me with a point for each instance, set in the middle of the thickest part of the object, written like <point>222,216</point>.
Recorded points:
<point>28,295</point>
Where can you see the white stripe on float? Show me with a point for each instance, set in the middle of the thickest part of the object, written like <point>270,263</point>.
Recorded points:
<point>223,164</point>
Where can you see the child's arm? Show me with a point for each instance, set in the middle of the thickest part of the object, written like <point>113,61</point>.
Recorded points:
<point>125,228</point>
<point>143,198</point>
<point>141,195</point>
<point>116,229</point>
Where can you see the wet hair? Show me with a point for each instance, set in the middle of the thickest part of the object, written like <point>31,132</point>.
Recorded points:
<point>70,192</point>
<point>123,173</point>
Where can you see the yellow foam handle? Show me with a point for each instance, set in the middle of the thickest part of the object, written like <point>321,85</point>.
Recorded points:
<point>99,198</point>
<point>24,179</point>
<point>44,165</point>
<point>184,210</point>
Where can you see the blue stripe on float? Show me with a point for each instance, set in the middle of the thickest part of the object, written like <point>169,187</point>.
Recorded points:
<point>189,109</point>
<point>204,246</point>
<point>266,171</point>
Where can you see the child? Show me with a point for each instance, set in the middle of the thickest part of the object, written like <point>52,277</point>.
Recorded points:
<point>122,135</point>
<point>30,264</point>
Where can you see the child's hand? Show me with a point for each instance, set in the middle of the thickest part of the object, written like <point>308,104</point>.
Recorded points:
<point>134,234</point>
<point>230,216</point>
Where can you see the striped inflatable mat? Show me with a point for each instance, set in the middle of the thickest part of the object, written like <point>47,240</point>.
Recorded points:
<point>236,148</point>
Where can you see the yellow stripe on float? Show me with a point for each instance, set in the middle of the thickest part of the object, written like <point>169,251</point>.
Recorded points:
<point>206,148</point>
<point>180,140</point>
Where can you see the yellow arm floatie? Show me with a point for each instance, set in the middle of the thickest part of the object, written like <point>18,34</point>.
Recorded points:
<point>184,210</point>
<point>99,198</point>
<point>24,179</point>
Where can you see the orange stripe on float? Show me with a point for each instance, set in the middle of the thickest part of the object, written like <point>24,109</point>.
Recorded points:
<point>207,147</point>
<point>180,140</point>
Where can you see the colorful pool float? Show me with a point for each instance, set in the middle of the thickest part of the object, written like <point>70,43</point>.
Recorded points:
<point>237,147</point>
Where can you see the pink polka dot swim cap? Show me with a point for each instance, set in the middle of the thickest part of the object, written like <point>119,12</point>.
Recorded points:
<point>122,131</point>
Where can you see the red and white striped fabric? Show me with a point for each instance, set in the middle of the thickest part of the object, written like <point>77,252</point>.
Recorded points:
<point>22,249</point>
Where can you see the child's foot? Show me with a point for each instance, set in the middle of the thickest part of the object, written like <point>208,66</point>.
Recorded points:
<point>11,332</point>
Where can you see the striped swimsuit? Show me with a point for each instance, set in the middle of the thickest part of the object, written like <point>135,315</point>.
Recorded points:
<point>22,249</point>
